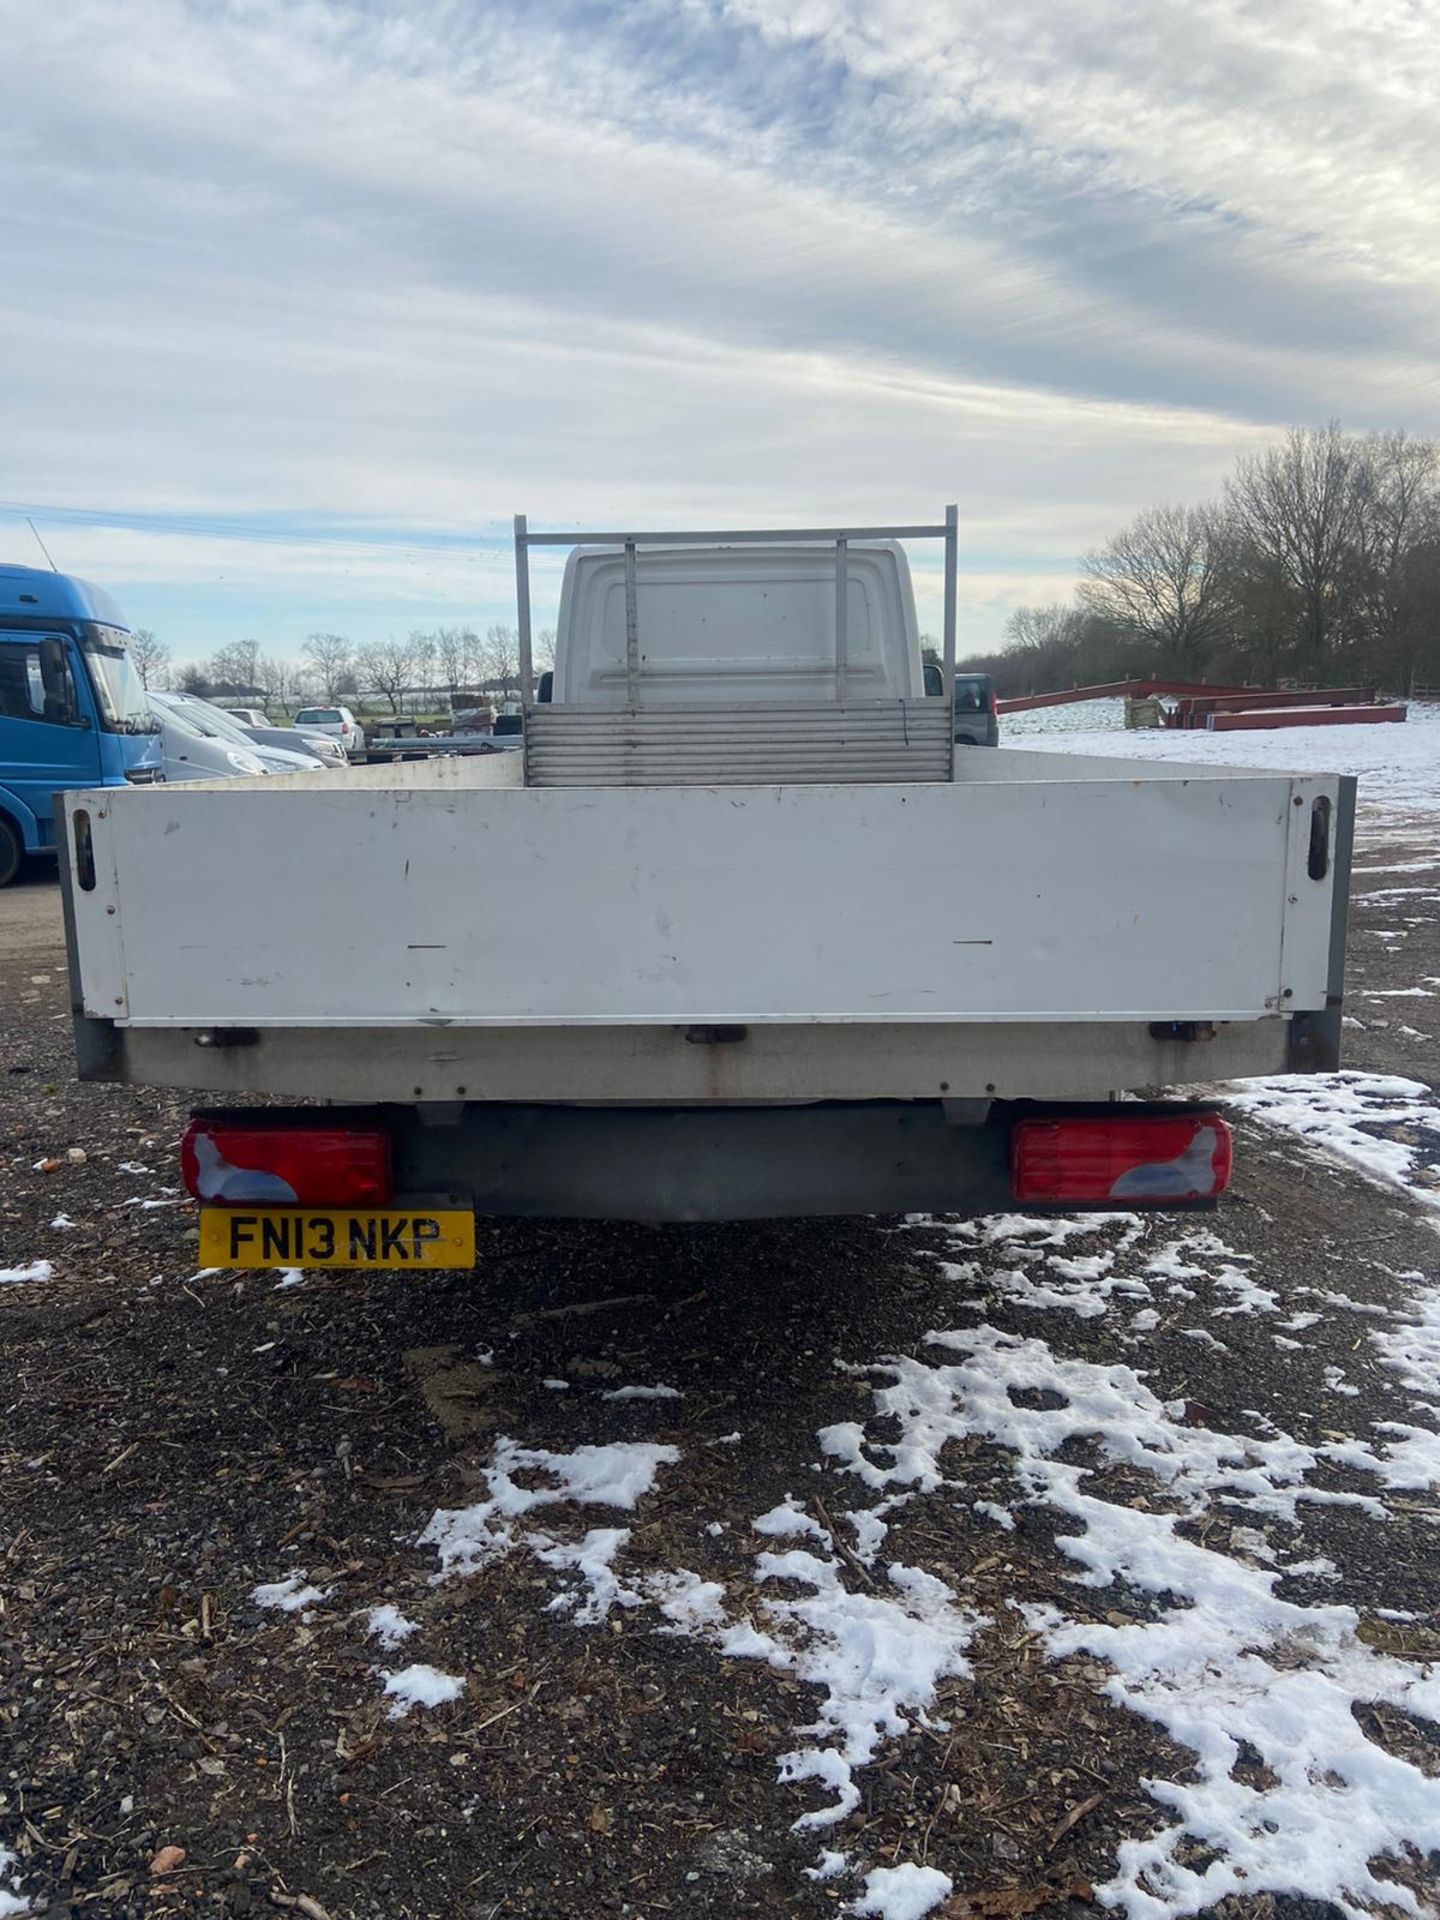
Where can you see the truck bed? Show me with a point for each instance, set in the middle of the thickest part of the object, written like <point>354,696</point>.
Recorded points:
<point>1042,926</point>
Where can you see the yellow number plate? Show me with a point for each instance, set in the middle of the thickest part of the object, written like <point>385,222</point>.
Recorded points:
<point>298,1237</point>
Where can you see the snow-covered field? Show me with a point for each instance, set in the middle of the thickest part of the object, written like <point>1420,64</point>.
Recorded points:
<point>1398,766</point>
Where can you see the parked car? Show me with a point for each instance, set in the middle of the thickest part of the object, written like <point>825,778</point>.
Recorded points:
<point>194,752</point>
<point>339,722</point>
<point>976,722</point>
<point>319,746</point>
<point>248,716</point>
<point>215,720</point>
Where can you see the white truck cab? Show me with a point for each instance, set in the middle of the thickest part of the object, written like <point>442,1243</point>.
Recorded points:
<point>728,626</point>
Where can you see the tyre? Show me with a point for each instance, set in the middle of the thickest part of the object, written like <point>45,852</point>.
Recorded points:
<point>12,851</point>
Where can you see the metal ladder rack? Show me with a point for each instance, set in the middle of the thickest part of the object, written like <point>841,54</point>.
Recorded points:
<point>843,739</point>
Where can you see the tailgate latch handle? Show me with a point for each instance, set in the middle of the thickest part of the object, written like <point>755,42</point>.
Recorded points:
<point>1318,864</point>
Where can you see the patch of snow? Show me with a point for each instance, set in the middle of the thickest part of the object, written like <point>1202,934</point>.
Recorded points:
<point>903,1893</point>
<point>1252,1540</point>
<point>643,1393</point>
<point>1226,1661</point>
<point>388,1625</point>
<point>789,1520</point>
<point>1333,1299</point>
<point>1411,1348</point>
<point>556,1386</point>
<point>289,1277</point>
<point>593,1559</point>
<point>617,1475</point>
<point>1337,1383</point>
<point>870,1531</point>
<point>1205,1338</point>
<point>291,1595</point>
<point>11,1904</point>
<point>879,1660</point>
<point>726,1440</point>
<point>689,1604</point>
<point>18,1276</point>
<point>1336,1114</point>
<point>62,1222</point>
<point>1317,1568</point>
<point>1245,1295</point>
<point>991,1510</point>
<point>828,1865</point>
<point>420,1686</point>
<point>1410,1462</point>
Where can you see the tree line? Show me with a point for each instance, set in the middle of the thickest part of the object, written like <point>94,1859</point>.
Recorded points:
<point>1318,564</point>
<point>450,664</point>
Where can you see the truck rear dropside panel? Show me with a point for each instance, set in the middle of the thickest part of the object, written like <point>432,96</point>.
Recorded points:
<point>1037,890</point>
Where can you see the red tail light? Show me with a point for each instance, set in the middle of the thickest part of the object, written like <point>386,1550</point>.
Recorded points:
<point>230,1164</point>
<point>1150,1160</point>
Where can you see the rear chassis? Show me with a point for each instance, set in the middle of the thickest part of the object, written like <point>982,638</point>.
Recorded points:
<point>732,1163</point>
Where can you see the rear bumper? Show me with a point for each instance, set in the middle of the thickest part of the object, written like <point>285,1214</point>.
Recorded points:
<point>712,1164</point>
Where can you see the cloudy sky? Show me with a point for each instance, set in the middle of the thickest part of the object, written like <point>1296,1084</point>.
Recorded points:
<point>302,301</point>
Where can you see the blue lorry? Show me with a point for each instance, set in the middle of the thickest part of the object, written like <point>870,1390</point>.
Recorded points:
<point>73,711</point>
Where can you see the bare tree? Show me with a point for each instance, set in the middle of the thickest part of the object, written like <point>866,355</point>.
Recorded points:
<point>236,670</point>
<point>1400,530</point>
<point>500,660</point>
<point>386,667</point>
<point>151,657</point>
<point>333,659</point>
<point>455,652</point>
<point>425,654</point>
<point>1164,578</point>
<point>1298,507</point>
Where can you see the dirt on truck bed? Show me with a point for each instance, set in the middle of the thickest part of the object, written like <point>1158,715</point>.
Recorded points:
<point>951,1567</point>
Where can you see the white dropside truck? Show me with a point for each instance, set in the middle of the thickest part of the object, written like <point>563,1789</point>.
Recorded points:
<point>744,931</point>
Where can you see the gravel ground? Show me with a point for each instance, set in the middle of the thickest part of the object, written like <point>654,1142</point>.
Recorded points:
<point>173,1439</point>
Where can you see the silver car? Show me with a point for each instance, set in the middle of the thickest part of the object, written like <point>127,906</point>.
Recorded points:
<point>193,752</point>
<point>217,722</point>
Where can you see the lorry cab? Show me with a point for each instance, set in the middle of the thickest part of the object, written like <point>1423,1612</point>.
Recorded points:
<point>73,711</point>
